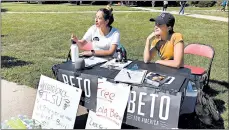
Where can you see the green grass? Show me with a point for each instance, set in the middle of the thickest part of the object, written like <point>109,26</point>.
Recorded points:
<point>24,7</point>
<point>213,11</point>
<point>42,39</point>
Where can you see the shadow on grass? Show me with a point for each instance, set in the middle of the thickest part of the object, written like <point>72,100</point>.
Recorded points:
<point>4,35</point>
<point>222,83</point>
<point>211,92</point>
<point>4,10</point>
<point>8,62</point>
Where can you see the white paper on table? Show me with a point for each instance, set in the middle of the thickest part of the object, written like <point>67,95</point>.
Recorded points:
<point>111,104</point>
<point>56,104</point>
<point>136,76</point>
<point>93,61</point>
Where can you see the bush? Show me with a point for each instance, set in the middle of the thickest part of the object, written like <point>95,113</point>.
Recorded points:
<point>194,3</point>
<point>205,3</point>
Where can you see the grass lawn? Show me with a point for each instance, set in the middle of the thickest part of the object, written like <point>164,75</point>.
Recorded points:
<point>213,11</point>
<point>32,43</point>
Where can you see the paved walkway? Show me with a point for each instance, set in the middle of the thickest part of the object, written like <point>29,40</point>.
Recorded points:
<point>139,8</point>
<point>57,12</point>
<point>19,99</point>
<point>189,15</point>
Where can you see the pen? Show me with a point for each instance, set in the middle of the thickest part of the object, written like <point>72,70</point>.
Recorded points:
<point>128,74</point>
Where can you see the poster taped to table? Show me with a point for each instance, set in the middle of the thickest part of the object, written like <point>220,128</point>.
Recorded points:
<point>87,83</point>
<point>111,104</point>
<point>56,104</point>
<point>149,109</point>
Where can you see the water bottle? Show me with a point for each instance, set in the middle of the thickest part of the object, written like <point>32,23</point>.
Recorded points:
<point>74,51</point>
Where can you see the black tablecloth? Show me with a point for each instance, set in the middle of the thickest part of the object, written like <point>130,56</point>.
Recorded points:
<point>175,91</point>
<point>181,74</point>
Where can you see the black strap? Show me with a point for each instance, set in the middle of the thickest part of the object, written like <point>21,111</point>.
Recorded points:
<point>69,55</point>
<point>55,70</point>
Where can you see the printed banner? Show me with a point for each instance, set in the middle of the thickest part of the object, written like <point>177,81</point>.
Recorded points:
<point>148,109</point>
<point>111,104</point>
<point>88,83</point>
<point>56,104</point>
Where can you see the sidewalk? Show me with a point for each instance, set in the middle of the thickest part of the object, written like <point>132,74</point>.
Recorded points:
<point>19,99</point>
<point>189,15</point>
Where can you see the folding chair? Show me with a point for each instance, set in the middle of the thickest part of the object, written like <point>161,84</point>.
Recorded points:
<point>200,50</point>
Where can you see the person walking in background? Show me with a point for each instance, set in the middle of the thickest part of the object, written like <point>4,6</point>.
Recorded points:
<point>227,5</point>
<point>224,4</point>
<point>182,3</point>
<point>165,5</point>
<point>153,3</point>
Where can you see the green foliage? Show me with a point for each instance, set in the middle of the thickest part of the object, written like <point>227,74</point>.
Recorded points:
<point>203,3</point>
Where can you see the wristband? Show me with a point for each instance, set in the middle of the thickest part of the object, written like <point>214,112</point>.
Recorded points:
<point>93,52</point>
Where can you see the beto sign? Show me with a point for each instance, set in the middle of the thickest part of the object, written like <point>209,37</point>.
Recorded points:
<point>149,109</point>
<point>88,84</point>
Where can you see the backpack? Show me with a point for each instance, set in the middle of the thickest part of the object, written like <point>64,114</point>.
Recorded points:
<point>206,109</point>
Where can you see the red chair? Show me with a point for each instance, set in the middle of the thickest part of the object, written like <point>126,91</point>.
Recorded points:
<point>200,50</point>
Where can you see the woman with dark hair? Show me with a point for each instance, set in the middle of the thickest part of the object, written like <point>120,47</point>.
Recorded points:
<point>102,36</point>
<point>168,44</point>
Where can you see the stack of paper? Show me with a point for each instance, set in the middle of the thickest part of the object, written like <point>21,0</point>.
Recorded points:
<point>115,65</point>
<point>131,76</point>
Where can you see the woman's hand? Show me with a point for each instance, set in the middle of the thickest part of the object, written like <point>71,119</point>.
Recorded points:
<point>152,35</point>
<point>86,53</point>
<point>156,34</point>
<point>74,38</point>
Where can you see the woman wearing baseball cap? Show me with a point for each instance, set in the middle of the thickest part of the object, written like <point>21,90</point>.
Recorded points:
<point>168,44</point>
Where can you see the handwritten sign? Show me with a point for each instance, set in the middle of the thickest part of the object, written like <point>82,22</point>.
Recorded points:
<point>111,104</point>
<point>56,104</point>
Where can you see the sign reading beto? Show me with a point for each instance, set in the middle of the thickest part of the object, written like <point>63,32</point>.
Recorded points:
<point>149,109</point>
<point>88,83</point>
<point>56,104</point>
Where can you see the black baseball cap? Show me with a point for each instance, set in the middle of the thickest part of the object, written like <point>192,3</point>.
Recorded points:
<point>164,18</point>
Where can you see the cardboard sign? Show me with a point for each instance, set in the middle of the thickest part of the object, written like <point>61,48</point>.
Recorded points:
<point>88,83</point>
<point>56,104</point>
<point>149,109</point>
<point>111,104</point>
